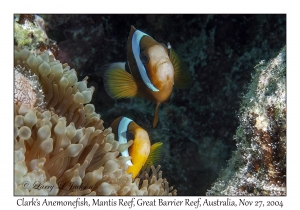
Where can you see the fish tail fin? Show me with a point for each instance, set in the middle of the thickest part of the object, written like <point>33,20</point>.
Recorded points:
<point>156,151</point>
<point>182,78</point>
<point>155,120</point>
<point>118,82</point>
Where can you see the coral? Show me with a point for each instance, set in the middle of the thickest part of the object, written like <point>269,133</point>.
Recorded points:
<point>23,91</point>
<point>27,88</point>
<point>60,144</point>
<point>29,30</point>
<point>258,166</point>
<point>25,17</point>
<point>48,45</point>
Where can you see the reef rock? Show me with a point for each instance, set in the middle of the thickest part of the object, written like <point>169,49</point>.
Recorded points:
<point>258,166</point>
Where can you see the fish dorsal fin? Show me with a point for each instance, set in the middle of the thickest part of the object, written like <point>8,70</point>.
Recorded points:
<point>135,46</point>
<point>119,83</point>
<point>182,78</point>
<point>155,154</point>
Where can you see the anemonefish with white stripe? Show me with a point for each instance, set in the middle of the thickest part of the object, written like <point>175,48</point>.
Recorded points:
<point>141,151</point>
<point>151,71</point>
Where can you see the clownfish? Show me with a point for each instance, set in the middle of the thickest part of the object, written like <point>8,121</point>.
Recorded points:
<point>142,153</point>
<point>151,71</point>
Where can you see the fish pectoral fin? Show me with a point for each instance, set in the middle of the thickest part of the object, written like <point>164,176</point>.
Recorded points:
<point>156,151</point>
<point>119,83</point>
<point>155,120</point>
<point>108,66</point>
<point>182,78</point>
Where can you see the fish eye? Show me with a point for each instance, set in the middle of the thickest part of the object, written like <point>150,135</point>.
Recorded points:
<point>144,58</point>
<point>129,135</point>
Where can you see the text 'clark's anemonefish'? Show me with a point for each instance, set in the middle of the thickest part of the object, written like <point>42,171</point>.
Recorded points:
<point>141,151</point>
<point>151,71</point>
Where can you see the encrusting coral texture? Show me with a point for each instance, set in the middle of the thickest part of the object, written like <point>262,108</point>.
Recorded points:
<point>258,167</point>
<point>60,144</point>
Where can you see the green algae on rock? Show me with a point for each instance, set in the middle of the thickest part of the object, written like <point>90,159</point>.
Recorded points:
<point>27,30</point>
<point>258,166</point>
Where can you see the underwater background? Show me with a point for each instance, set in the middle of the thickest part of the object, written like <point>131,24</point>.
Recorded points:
<point>198,125</point>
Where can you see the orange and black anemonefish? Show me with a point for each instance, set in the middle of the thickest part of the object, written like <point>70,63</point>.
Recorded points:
<point>142,153</point>
<point>151,71</point>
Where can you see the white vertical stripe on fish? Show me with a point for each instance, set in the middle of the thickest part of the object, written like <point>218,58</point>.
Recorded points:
<point>136,38</point>
<point>122,129</point>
